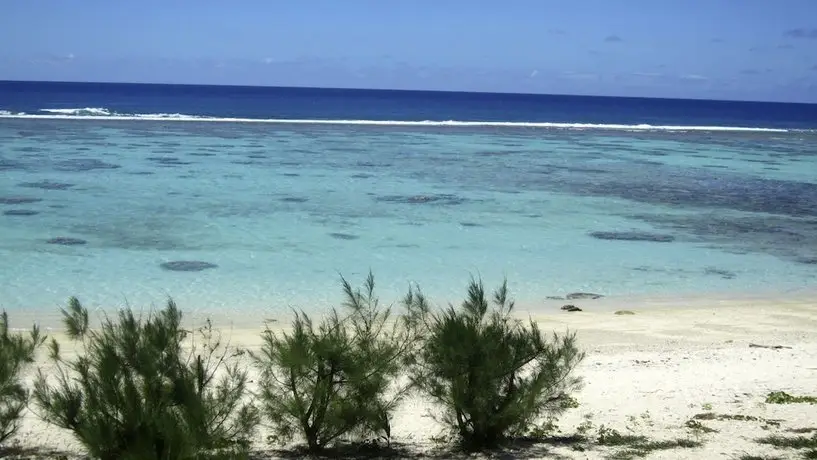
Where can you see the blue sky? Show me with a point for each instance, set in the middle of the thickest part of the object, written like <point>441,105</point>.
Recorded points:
<point>722,49</point>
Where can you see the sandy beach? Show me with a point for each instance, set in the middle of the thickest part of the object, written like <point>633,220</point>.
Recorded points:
<point>646,373</point>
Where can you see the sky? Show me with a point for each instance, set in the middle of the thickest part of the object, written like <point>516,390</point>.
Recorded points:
<point>710,49</point>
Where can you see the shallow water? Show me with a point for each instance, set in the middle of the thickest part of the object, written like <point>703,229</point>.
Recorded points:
<point>279,211</point>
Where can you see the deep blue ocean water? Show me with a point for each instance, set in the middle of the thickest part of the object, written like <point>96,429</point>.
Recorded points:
<point>383,105</point>
<point>272,192</point>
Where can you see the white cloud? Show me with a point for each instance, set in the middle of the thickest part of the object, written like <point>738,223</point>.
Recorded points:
<point>579,75</point>
<point>648,74</point>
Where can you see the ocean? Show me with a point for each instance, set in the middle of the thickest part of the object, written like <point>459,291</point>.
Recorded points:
<point>252,201</point>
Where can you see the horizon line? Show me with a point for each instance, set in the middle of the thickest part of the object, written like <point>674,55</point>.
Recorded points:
<point>402,90</point>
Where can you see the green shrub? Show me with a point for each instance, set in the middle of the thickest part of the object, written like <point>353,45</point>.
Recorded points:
<point>329,381</point>
<point>135,393</point>
<point>492,374</point>
<point>16,352</point>
<point>781,397</point>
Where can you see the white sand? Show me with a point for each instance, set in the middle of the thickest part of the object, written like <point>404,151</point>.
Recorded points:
<point>660,367</point>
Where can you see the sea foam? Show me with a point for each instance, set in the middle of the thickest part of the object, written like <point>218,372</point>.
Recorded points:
<point>97,113</point>
<point>85,111</point>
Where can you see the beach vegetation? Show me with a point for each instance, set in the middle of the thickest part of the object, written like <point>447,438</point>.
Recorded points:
<point>781,397</point>
<point>145,388</point>
<point>493,376</point>
<point>17,352</point>
<point>337,378</point>
<point>806,444</point>
<point>639,447</point>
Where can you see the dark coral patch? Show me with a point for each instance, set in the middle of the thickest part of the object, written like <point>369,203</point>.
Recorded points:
<point>583,296</point>
<point>9,165</point>
<point>66,241</point>
<point>20,212</point>
<point>725,274</point>
<point>169,161</point>
<point>633,236</point>
<point>83,164</point>
<point>294,199</point>
<point>19,200</point>
<point>344,236</point>
<point>187,265</point>
<point>47,185</point>
<point>442,199</point>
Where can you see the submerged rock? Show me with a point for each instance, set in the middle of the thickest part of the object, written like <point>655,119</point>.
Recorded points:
<point>441,199</point>
<point>8,165</point>
<point>571,308</point>
<point>169,161</point>
<point>47,185</point>
<point>20,212</point>
<point>187,265</point>
<point>725,274</point>
<point>344,236</point>
<point>633,236</point>
<point>294,199</point>
<point>84,164</point>
<point>19,200</point>
<point>66,241</point>
<point>583,296</point>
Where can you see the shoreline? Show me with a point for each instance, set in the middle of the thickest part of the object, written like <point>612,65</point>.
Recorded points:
<point>546,309</point>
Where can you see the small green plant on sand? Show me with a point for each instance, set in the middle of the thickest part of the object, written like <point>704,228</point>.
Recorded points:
<point>781,397</point>
<point>637,446</point>
<point>491,374</point>
<point>325,382</point>
<point>134,392</point>
<point>698,429</point>
<point>16,352</point>
<point>807,445</point>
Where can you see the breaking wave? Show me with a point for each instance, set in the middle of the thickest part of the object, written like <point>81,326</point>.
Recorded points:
<point>98,113</point>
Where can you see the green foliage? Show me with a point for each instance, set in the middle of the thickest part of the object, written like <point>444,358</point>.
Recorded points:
<point>791,442</point>
<point>807,445</point>
<point>643,449</point>
<point>16,352</point>
<point>135,393</point>
<point>698,428</point>
<point>781,397</point>
<point>638,446</point>
<point>492,375</point>
<point>338,378</point>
